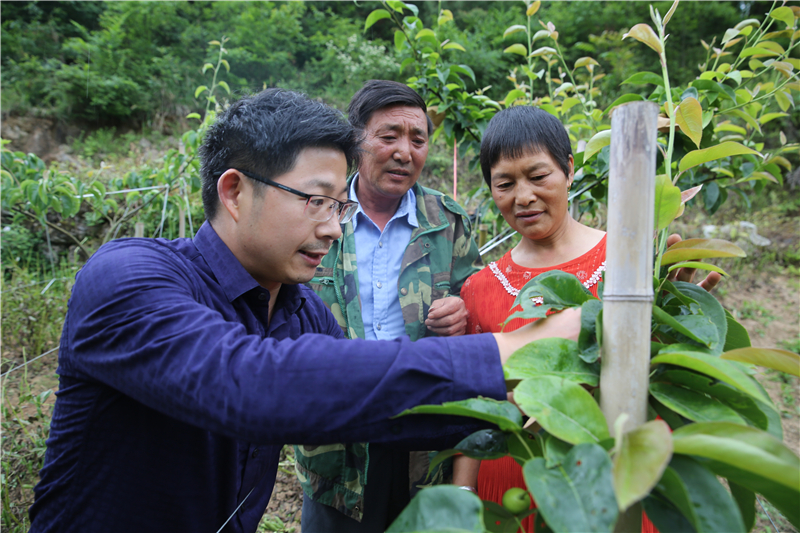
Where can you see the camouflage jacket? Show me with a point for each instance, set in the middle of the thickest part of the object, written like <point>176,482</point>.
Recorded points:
<point>439,257</point>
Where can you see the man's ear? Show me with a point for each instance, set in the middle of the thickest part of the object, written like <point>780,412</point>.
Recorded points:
<point>230,190</point>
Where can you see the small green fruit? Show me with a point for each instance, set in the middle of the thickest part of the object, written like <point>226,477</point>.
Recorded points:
<point>516,500</point>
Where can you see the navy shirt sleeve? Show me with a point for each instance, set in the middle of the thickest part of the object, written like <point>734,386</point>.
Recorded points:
<point>147,332</point>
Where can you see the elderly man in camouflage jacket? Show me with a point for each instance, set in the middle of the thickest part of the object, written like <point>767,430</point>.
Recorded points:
<point>397,270</point>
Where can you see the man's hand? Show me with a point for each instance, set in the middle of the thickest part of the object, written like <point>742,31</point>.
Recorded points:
<point>565,324</point>
<point>447,317</point>
<point>687,274</point>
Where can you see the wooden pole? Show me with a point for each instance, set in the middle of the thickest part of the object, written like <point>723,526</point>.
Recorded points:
<point>138,230</point>
<point>181,222</point>
<point>628,293</point>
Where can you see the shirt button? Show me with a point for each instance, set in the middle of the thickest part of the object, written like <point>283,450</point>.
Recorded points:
<point>379,285</point>
<point>403,291</point>
<point>254,454</point>
<point>378,327</point>
<point>380,244</point>
<point>262,297</point>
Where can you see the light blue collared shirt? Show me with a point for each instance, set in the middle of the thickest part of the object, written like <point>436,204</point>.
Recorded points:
<point>379,255</point>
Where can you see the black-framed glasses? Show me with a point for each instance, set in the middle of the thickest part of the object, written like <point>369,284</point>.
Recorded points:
<point>319,208</point>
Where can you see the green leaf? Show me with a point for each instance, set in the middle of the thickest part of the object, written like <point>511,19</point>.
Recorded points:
<point>596,143</point>
<point>554,450</point>
<point>748,456</point>
<point>543,51</point>
<point>442,508</point>
<point>555,357</point>
<point>577,496</point>
<point>701,266</point>
<point>664,515</point>
<point>456,46</point>
<point>694,405</point>
<point>427,34</point>
<point>224,85</point>
<point>710,308</point>
<point>504,414</point>
<point>206,67</point>
<point>689,117</point>
<point>726,149</point>
<point>514,29</point>
<point>516,49</point>
<point>668,202</point>
<point>587,338</point>
<point>746,501</point>
<point>225,64</point>
<point>483,444</point>
<point>700,497</point>
<point>746,117</point>
<point>645,34</point>
<point>194,115</point>
<point>643,78</point>
<point>784,14</point>
<point>557,289</point>
<point>752,411</point>
<point>737,336</point>
<point>696,327</point>
<point>512,96</point>
<point>640,462</point>
<point>691,249</point>
<point>563,408</point>
<point>200,90</point>
<point>782,360</point>
<point>399,40</point>
<point>766,117</point>
<point>715,367</point>
<point>624,99</point>
<point>375,16</point>
<point>498,519</point>
<point>755,51</point>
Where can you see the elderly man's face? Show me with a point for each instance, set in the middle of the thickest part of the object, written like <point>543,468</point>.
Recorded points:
<point>395,149</point>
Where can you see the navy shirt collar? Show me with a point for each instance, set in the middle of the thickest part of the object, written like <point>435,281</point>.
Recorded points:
<point>232,276</point>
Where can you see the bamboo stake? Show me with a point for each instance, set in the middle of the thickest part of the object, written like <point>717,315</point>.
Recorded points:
<point>628,293</point>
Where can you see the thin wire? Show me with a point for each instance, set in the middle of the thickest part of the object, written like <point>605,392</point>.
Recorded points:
<point>237,508</point>
<point>768,516</point>
<point>26,363</point>
<point>127,190</point>
<point>504,239</point>
<point>163,212</point>
<point>496,237</point>
<point>32,284</point>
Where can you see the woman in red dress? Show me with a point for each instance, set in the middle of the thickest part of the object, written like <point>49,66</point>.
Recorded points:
<point>527,162</point>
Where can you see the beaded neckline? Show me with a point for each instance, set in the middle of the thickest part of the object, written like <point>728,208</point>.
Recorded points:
<point>538,300</point>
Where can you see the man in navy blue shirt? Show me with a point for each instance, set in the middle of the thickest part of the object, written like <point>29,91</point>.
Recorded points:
<point>185,365</point>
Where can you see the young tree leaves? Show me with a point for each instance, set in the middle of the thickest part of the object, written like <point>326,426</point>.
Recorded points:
<point>726,149</point>
<point>504,414</point>
<point>700,497</point>
<point>443,508</point>
<point>638,465</point>
<point>689,117</point>
<point>596,143</point>
<point>668,201</point>
<point>555,357</point>
<point>645,34</point>
<point>577,496</point>
<point>375,16</point>
<point>715,367</point>
<point>563,408</point>
<point>691,249</point>
<point>782,360</point>
<point>747,456</point>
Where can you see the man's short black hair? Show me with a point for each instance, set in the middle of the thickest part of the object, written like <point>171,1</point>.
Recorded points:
<point>264,133</point>
<point>378,94</point>
<point>514,131</point>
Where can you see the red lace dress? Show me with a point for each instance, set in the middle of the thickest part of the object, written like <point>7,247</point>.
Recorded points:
<point>489,295</point>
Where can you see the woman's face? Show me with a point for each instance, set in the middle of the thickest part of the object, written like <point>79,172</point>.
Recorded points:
<point>531,193</point>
